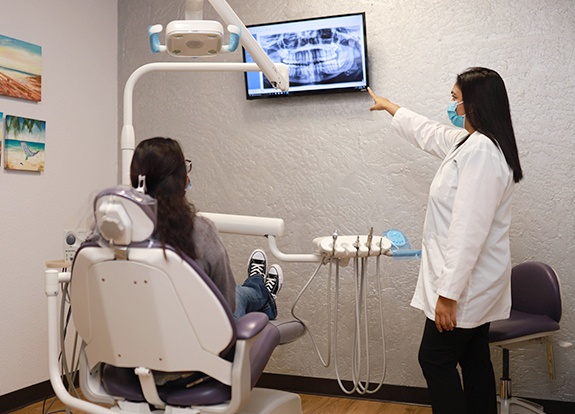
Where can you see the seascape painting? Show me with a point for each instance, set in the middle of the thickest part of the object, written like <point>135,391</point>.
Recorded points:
<point>24,144</point>
<point>20,69</point>
<point>1,130</point>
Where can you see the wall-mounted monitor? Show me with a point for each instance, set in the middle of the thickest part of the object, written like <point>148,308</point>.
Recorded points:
<point>324,55</point>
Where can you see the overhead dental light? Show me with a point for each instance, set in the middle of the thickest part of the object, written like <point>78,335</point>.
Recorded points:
<point>193,38</point>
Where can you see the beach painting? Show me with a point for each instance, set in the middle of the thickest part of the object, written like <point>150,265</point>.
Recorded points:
<point>24,144</point>
<point>1,130</point>
<point>20,69</point>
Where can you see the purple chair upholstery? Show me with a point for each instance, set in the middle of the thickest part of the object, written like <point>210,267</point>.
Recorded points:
<point>123,382</point>
<point>535,304</point>
<point>142,308</point>
<point>535,314</point>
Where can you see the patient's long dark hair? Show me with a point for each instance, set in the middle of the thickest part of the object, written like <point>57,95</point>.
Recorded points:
<point>487,110</point>
<point>162,162</point>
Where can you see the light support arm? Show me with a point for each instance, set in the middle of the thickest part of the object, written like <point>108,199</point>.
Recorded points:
<point>278,79</point>
<point>128,139</point>
<point>277,74</point>
<point>194,9</point>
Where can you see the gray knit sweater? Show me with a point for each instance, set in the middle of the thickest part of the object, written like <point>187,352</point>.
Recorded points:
<point>212,257</point>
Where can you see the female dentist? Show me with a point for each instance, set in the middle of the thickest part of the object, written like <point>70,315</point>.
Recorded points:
<point>464,279</point>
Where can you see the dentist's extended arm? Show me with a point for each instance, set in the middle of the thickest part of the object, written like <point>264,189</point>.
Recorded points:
<point>381,103</point>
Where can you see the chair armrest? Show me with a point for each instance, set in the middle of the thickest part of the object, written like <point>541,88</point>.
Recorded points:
<point>251,324</point>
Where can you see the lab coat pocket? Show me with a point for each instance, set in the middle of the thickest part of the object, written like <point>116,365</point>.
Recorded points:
<point>435,246</point>
<point>444,184</point>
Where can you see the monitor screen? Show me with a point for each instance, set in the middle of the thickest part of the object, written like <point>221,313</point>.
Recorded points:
<point>324,55</point>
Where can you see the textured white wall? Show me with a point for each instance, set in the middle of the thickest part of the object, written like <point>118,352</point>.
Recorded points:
<point>79,105</point>
<point>326,163</point>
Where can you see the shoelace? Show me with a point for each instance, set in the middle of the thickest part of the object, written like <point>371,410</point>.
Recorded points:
<point>257,268</point>
<point>271,283</point>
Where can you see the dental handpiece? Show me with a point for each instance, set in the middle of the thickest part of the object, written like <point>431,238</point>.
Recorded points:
<point>369,238</point>
<point>334,237</point>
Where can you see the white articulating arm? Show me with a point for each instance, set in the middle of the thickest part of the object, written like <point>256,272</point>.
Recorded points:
<point>128,138</point>
<point>258,226</point>
<point>194,9</point>
<point>247,225</point>
<point>278,79</point>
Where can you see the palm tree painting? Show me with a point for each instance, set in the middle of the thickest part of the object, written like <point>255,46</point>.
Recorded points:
<point>24,144</point>
<point>20,69</point>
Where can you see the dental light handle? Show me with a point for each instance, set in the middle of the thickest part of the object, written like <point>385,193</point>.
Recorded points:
<point>235,34</point>
<point>153,34</point>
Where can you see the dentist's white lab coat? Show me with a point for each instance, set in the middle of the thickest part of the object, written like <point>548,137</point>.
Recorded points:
<point>465,246</point>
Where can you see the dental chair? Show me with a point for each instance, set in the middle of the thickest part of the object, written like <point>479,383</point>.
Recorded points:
<point>535,315</point>
<point>143,311</point>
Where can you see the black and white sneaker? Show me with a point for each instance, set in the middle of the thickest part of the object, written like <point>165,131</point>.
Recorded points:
<point>274,279</point>
<point>257,263</point>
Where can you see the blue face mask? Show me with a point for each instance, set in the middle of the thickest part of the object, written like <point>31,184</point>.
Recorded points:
<point>457,120</point>
<point>189,170</point>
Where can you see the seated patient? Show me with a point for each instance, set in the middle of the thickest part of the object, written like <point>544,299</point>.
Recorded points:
<point>162,163</point>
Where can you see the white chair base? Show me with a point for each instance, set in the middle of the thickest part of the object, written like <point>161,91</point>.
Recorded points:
<point>515,405</point>
<point>262,401</point>
<point>266,401</point>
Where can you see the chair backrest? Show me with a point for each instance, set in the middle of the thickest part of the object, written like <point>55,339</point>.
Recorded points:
<point>147,306</point>
<point>530,277</point>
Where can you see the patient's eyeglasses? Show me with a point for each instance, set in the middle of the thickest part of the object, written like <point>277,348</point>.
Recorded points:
<point>189,166</point>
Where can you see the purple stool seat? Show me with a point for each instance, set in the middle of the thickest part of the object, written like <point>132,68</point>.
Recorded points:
<point>521,324</point>
<point>535,314</point>
<point>535,303</point>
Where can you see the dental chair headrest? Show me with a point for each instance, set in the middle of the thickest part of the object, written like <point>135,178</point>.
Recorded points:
<point>124,215</point>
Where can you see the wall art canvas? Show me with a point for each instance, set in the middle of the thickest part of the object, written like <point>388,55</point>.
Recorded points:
<point>24,144</point>
<point>20,69</point>
<point>1,130</point>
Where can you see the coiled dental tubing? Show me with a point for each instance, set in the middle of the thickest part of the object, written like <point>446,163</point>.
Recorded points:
<point>339,250</point>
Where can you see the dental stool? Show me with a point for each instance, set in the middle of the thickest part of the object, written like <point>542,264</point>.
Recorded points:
<point>535,315</point>
<point>142,310</point>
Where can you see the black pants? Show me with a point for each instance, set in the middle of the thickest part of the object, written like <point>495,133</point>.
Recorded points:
<point>439,355</point>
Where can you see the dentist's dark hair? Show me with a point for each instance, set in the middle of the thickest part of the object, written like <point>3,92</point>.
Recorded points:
<point>162,162</point>
<point>487,110</point>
